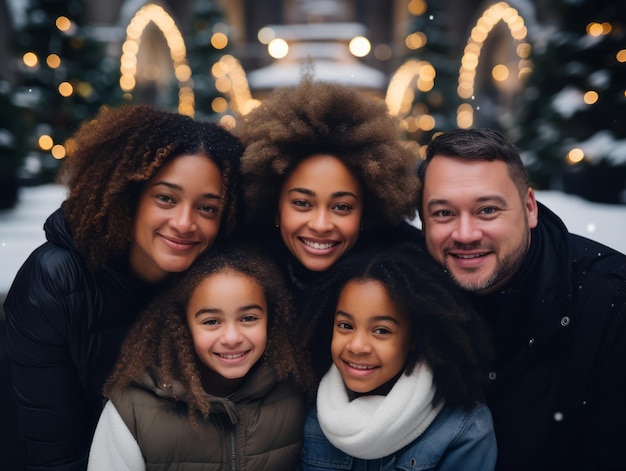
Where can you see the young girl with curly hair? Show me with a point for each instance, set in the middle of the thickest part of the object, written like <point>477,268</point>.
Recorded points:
<point>409,364</point>
<point>207,376</point>
<point>327,171</point>
<point>149,191</point>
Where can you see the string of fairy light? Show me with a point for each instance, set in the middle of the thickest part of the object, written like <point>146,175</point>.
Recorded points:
<point>230,78</point>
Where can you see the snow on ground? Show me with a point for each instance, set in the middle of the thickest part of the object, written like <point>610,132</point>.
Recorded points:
<point>21,228</point>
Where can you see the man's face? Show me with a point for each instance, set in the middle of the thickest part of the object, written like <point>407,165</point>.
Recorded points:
<point>474,221</point>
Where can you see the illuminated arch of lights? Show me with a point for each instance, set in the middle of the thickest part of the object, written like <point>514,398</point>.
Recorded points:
<point>178,52</point>
<point>231,80</point>
<point>400,95</point>
<point>500,11</point>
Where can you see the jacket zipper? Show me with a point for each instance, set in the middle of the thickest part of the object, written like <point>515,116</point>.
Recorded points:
<point>233,449</point>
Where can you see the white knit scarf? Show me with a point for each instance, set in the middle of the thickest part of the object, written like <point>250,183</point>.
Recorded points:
<point>371,427</point>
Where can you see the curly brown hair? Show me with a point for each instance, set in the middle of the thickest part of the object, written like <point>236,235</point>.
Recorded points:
<point>160,339</point>
<point>294,123</point>
<point>111,157</point>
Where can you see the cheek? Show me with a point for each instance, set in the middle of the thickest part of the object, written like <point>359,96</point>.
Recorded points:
<point>351,228</point>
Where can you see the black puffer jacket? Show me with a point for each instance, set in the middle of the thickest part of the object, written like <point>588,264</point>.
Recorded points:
<point>65,327</point>
<point>558,392</point>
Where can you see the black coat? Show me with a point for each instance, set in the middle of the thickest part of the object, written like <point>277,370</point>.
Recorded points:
<point>65,325</point>
<point>558,392</point>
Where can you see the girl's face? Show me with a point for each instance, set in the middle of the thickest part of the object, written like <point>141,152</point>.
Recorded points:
<point>178,216</point>
<point>371,338</point>
<point>227,317</point>
<point>319,211</point>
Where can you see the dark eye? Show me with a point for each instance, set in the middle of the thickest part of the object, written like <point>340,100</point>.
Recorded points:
<point>301,203</point>
<point>381,331</point>
<point>442,213</point>
<point>249,318</point>
<point>210,209</point>
<point>342,207</point>
<point>165,198</point>
<point>344,325</point>
<point>489,210</point>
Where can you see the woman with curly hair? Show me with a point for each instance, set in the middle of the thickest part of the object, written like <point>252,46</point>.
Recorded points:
<point>205,378</point>
<point>149,191</point>
<point>326,172</point>
<point>409,363</point>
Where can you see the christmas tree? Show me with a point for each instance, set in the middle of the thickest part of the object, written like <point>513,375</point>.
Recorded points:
<point>207,41</point>
<point>574,123</point>
<point>436,67</point>
<point>63,79</point>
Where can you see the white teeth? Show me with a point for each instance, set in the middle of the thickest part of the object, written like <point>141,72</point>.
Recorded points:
<point>233,356</point>
<point>360,367</point>
<point>469,256</point>
<point>318,246</point>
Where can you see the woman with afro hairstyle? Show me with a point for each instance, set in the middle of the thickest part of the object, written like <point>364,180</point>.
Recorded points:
<point>207,377</point>
<point>327,172</point>
<point>409,364</point>
<point>149,191</point>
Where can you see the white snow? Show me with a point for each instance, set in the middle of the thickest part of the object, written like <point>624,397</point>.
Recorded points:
<point>21,228</point>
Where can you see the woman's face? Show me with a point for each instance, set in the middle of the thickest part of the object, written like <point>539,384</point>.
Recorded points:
<point>178,216</point>
<point>319,211</point>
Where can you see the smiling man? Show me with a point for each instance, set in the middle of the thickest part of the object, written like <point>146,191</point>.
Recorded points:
<point>556,303</point>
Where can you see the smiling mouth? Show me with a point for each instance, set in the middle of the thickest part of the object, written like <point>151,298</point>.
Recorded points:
<point>468,256</point>
<point>231,356</point>
<point>319,245</point>
<point>360,367</point>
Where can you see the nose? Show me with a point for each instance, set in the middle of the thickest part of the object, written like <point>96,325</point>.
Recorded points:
<point>466,230</point>
<point>183,219</point>
<point>321,221</point>
<point>231,335</point>
<point>359,343</point>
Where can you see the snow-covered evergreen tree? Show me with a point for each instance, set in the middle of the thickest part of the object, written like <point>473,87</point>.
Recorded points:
<point>576,96</point>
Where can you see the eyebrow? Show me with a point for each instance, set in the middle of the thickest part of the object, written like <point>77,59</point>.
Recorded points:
<point>483,199</point>
<point>210,310</point>
<point>378,318</point>
<point>337,194</point>
<point>175,186</point>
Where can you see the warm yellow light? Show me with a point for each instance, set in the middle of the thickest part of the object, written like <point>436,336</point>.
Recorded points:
<point>219,105</point>
<point>53,61</point>
<point>595,29</point>
<point>575,156</point>
<point>500,73</point>
<point>66,89</point>
<point>415,40</point>
<point>63,23</point>
<point>58,151</point>
<point>417,7</point>
<point>228,122</point>
<point>45,142</point>
<point>127,82</point>
<point>621,55</point>
<point>427,122</point>
<point>523,50</point>
<point>30,59</point>
<point>278,48</point>
<point>359,46</point>
<point>591,97</point>
<point>219,40</point>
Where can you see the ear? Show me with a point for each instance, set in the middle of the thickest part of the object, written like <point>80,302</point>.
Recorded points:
<point>532,211</point>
